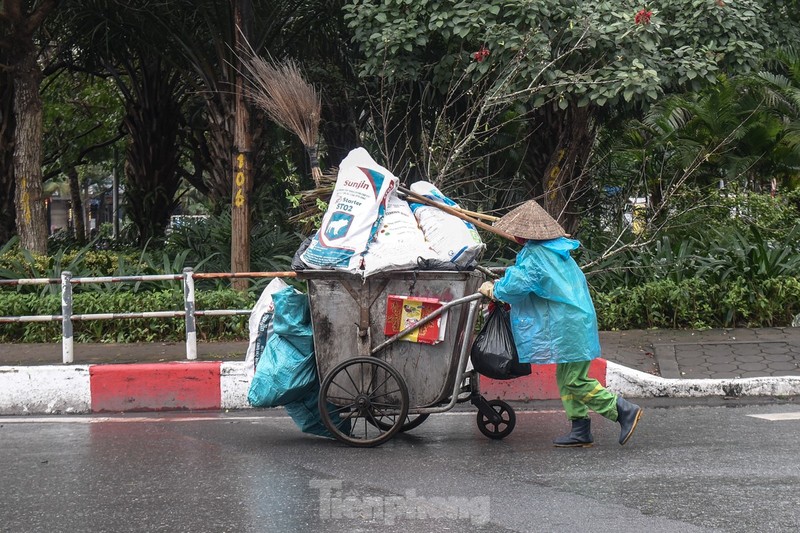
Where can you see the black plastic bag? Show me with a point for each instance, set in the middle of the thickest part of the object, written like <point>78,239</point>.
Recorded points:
<point>494,353</point>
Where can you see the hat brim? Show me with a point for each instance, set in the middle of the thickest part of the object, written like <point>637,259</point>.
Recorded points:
<point>530,221</point>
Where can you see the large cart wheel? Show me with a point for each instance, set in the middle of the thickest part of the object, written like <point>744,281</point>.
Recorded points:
<point>412,421</point>
<point>358,393</point>
<point>503,423</point>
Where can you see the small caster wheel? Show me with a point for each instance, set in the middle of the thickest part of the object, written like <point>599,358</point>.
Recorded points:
<point>503,425</point>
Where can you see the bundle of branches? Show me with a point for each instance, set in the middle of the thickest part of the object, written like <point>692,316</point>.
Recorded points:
<point>310,211</point>
<point>287,98</point>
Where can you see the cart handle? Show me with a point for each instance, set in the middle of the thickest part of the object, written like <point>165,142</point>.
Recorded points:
<point>430,317</point>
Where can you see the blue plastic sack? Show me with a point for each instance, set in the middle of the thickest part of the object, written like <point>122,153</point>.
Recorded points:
<point>264,333</point>
<point>286,371</point>
<point>305,413</point>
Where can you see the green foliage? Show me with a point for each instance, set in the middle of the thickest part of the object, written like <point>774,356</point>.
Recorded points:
<point>697,304</point>
<point>730,272</point>
<point>657,304</point>
<point>207,248</point>
<point>203,245</point>
<point>750,256</point>
<point>664,259</point>
<point>80,111</point>
<point>16,263</point>
<point>596,51</point>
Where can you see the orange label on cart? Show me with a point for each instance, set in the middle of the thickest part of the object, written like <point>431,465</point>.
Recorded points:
<point>405,311</point>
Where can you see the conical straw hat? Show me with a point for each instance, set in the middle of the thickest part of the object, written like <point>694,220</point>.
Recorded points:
<point>530,221</point>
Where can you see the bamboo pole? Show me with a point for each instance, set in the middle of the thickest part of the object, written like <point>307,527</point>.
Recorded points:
<point>456,213</point>
<point>473,214</point>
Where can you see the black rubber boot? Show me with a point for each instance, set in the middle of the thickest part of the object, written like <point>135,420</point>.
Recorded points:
<point>628,415</point>
<point>579,437</point>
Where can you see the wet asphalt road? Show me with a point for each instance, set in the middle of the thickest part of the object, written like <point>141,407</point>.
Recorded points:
<point>687,468</point>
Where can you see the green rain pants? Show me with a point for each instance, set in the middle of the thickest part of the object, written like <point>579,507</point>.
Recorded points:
<point>579,392</point>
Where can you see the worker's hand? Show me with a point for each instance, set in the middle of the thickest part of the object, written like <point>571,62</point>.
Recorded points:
<point>487,289</point>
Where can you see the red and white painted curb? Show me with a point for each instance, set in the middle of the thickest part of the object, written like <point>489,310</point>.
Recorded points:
<point>223,385</point>
<point>123,387</point>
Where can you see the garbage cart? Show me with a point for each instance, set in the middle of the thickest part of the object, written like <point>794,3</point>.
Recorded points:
<point>375,384</point>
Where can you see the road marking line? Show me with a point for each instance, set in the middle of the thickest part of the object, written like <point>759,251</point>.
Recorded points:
<point>778,416</point>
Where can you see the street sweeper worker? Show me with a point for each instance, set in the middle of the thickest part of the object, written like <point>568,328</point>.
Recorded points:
<point>553,321</point>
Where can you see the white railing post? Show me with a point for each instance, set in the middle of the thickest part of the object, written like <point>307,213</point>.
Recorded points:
<point>66,317</point>
<point>188,304</point>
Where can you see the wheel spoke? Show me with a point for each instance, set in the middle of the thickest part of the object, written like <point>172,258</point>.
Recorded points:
<point>329,397</point>
<point>385,394</point>
<point>385,414</point>
<point>381,419</point>
<point>347,391</point>
<point>374,390</point>
<point>373,419</point>
<point>358,390</point>
<point>382,404</point>
<point>338,410</point>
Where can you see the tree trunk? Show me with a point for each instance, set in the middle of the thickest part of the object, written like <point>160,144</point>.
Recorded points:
<point>565,180</point>
<point>559,151</point>
<point>243,169</point>
<point>7,218</point>
<point>30,207</point>
<point>77,205</point>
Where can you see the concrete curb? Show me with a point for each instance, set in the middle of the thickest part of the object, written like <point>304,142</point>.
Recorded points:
<point>636,384</point>
<point>224,385</point>
<point>30,390</point>
<point>44,389</point>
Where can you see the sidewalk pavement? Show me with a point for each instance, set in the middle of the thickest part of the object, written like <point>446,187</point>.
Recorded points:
<point>156,376</point>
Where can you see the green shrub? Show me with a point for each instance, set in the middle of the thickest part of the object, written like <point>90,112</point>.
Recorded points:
<point>695,303</point>
<point>666,304</point>
<point>658,304</point>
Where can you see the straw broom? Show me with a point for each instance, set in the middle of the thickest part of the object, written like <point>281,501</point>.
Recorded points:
<point>291,102</point>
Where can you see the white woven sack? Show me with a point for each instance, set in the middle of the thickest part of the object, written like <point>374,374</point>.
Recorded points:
<point>399,242</point>
<point>353,216</point>
<point>452,238</point>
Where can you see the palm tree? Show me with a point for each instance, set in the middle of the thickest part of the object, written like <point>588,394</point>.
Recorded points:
<point>122,44</point>
<point>782,93</point>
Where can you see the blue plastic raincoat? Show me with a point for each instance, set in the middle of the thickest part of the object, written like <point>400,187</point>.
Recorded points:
<point>552,314</point>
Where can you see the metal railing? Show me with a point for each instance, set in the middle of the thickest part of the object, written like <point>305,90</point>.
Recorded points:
<point>188,277</point>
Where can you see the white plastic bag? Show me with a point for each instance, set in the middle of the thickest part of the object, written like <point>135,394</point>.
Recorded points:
<point>399,242</point>
<point>353,216</point>
<point>452,238</point>
<point>257,323</point>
